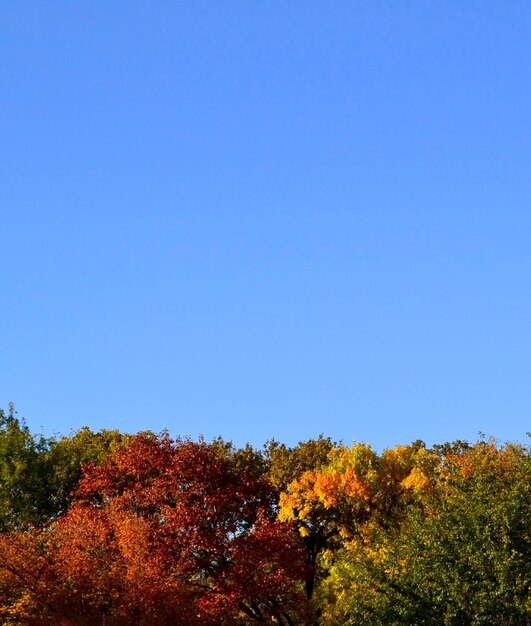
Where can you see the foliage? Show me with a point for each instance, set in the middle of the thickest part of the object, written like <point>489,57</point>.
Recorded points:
<point>285,467</point>
<point>459,556</point>
<point>337,500</point>
<point>38,474</point>
<point>285,463</point>
<point>247,459</point>
<point>24,495</point>
<point>167,532</point>
<point>106,528</point>
<point>66,457</point>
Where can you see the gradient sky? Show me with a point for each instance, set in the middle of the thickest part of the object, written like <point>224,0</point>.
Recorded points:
<point>267,219</point>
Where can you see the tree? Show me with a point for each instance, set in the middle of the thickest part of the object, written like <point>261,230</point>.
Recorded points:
<point>167,532</point>
<point>285,464</point>
<point>24,492</point>
<point>459,555</point>
<point>38,474</point>
<point>354,490</point>
<point>65,457</point>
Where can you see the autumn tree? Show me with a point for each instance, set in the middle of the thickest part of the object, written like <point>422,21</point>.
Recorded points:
<point>105,528</point>
<point>458,555</point>
<point>286,463</point>
<point>340,499</point>
<point>168,532</point>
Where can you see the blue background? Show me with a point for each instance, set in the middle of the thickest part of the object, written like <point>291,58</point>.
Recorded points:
<point>267,219</point>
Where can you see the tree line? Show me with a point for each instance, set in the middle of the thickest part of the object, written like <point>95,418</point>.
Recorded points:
<point>118,529</point>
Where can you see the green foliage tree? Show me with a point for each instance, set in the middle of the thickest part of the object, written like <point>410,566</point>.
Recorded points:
<point>249,460</point>
<point>38,474</point>
<point>24,493</point>
<point>461,555</point>
<point>66,456</point>
<point>285,463</point>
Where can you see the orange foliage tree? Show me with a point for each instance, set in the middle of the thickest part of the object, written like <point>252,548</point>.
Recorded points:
<point>353,491</point>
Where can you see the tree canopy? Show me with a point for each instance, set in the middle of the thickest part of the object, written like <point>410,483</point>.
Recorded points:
<point>115,529</point>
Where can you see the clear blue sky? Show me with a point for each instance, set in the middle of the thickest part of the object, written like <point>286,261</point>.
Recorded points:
<point>267,219</point>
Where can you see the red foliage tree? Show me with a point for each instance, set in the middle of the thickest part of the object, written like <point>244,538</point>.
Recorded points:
<point>168,532</point>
